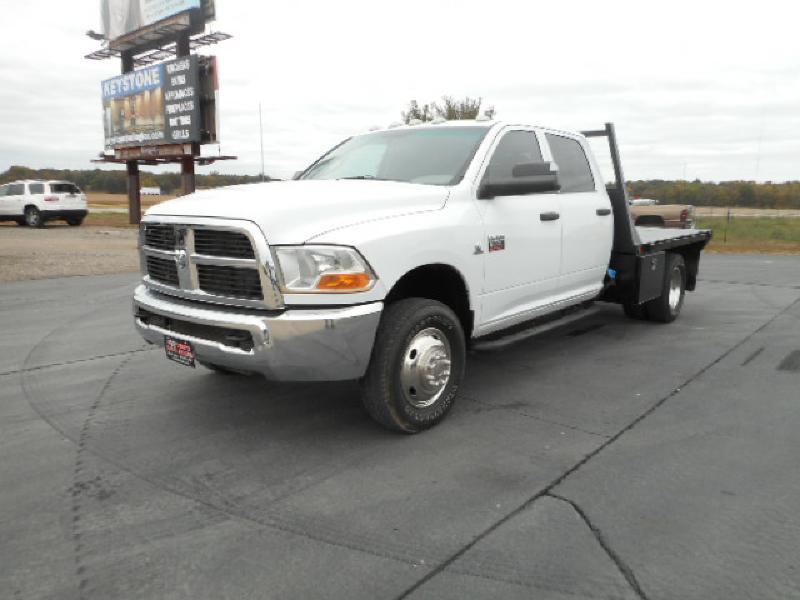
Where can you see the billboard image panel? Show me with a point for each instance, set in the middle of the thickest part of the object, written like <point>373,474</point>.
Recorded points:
<point>158,104</point>
<point>121,17</point>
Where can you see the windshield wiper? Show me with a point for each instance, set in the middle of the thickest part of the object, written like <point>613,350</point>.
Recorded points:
<point>371,178</point>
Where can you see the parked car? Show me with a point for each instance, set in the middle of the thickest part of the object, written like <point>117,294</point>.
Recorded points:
<point>33,203</point>
<point>647,212</point>
<point>390,255</point>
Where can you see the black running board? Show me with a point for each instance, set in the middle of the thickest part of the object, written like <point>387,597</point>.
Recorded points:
<point>502,339</point>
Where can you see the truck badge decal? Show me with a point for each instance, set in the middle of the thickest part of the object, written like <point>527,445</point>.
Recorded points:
<point>497,243</point>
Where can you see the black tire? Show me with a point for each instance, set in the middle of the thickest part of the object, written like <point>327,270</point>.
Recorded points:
<point>405,326</point>
<point>21,222</point>
<point>75,222</point>
<point>664,309</point>
<point>33,218</point>
<point>635,311</point>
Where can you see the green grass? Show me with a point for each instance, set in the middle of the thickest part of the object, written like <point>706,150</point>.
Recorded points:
<point>753,234</point>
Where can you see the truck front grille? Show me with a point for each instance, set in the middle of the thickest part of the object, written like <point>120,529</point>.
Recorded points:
<point>160,237</point>
<point>213,260</point>
<point>163,270</point>
<point>233,282</point>
<point>213,242</point>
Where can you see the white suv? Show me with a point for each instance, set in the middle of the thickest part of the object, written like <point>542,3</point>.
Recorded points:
<point>33,203</point>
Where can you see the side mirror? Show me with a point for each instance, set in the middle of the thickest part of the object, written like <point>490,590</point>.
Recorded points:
<point>526,178</point>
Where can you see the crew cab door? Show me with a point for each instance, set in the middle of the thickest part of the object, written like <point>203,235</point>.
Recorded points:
<point>587,223</point>
<point>522,243</point>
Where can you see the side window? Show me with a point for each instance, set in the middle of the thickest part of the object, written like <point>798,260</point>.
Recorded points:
<point>4,190</point>
<point>16,189</point>
<point>574,172</point>
<point>36,188</point>
<point>515,147</point>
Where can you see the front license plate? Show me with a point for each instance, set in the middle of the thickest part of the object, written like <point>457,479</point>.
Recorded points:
<point>180,351</point>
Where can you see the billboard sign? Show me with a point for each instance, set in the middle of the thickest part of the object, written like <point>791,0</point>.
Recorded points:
<point>159,104</point>
<point>121,17</point>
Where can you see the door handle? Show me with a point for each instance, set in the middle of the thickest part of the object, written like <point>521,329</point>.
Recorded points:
<point>603,212</point>
<point>549,216</point>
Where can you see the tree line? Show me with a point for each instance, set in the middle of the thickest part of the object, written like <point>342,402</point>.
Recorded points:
<point>725,193</point>
<point>116,182</point>
<point>698,193</point>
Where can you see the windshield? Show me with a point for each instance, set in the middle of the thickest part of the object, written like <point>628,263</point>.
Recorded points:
<point>429,155</point>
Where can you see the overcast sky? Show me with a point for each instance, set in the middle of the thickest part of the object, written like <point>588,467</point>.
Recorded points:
<point>700,89</point>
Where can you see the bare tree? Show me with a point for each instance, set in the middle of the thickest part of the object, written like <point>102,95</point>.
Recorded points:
<point>416,112</point>
<point>454,110</point>
<point>449,109</point>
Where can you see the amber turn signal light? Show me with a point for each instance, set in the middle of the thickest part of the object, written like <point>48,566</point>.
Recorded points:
<point>345,282</point>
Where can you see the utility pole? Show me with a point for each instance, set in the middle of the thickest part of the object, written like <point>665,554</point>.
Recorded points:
<point>261,130</point>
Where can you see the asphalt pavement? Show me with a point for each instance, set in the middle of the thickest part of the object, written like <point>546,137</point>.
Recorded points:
<point>608,458</point>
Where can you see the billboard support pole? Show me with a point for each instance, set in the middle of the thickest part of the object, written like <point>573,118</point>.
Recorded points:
<point>188,185</point>
<point>134,198</point>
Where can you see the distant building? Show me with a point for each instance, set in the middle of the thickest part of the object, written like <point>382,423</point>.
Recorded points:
<point>150,191</point>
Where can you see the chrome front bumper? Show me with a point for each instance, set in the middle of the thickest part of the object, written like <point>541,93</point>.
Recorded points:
<point>294,345</point>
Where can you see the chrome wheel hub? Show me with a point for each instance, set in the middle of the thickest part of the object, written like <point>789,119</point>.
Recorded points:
<point>675,289</point>
<point>425,370</point>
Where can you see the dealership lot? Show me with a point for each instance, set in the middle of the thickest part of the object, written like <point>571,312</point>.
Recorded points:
<point>609,458</point>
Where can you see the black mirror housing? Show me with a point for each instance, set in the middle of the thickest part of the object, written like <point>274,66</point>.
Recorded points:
<point>526,178</point>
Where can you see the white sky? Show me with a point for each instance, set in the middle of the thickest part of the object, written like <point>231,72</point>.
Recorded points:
<point>696,88</point>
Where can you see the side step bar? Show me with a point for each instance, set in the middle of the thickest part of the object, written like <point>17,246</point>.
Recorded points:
<point>500,340</point>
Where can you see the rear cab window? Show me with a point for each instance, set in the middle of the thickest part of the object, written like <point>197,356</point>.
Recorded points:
<point>574,172</point>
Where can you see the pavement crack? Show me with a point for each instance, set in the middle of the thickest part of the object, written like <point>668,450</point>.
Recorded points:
<point>77,361</point>
<point>621,565</point>
<point>753,356</point>
<point>81,481</point>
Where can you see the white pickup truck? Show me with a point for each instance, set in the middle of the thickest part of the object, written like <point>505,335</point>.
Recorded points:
<point>394,251</point>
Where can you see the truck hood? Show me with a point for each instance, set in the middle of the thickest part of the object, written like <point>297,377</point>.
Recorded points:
<point>292,212</point>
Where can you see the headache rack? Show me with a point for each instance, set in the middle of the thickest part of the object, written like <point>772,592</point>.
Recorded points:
<point>638,258</point>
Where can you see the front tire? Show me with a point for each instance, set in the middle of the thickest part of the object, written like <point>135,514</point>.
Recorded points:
<point>33,218</point>
<point>417,365</point>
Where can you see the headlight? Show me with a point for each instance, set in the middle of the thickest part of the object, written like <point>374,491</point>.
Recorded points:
<point>323,269</point>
